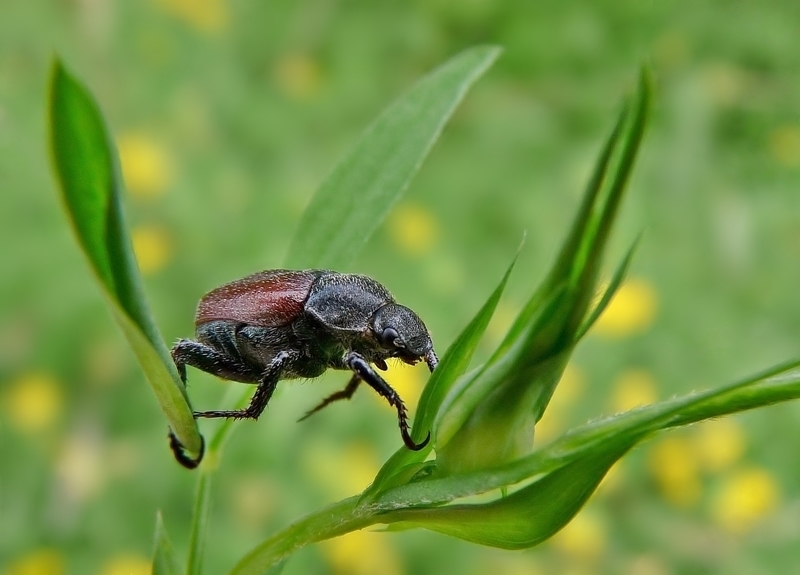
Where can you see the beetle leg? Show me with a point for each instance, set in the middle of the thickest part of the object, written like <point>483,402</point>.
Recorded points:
<point>431,360</point>
<point>206,358</point>
<point>179,451</point>
<point>345,393</point>
<point>363,370</point>
<point>266,386</point>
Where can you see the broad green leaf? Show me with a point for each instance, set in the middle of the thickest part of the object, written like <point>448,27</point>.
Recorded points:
<point>164,560</point>
<point>452,365</point>
<point>197,539</point>
<point>355,198</point>
<point>86,168</point>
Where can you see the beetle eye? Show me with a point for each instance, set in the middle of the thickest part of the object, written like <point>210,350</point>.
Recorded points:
<point>389,338</point>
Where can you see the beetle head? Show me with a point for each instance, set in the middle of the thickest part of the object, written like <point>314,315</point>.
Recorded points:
<point>401,332</point>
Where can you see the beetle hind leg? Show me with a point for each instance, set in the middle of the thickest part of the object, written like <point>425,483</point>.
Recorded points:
<point>208,359</point>
<point>266,386</point>
<point>345,393</point>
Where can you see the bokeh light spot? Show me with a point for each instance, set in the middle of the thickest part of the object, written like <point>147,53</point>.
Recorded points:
<point>39,562</point>
<point>719,444</point>
<point>362,553</point>
<point>633,388</point>
<point>209,16</point>
<point>146,165</point>
<point>584,537</point>
<point>744,498</point>
<point>33,402</point>
<point>673,465</point>
<point>127,564</point>
<point>784,143</point>
<point>153,248</point>
<point>298,76</point>
<point>413,229</point>
<point>632,310</point>
<point>80,467</point>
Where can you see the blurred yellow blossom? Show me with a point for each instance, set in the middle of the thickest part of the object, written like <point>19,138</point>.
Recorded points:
<point>784,143</point>
<point>407,380</point>
<point>744,498</point>
<point>253,499</point>
<point>153,248</point>
<point>81,467</point>
<point>146,165</point>
<point>633,388</point>
<point>298,76</point>
<point>584,537</point>
<point>39,562</point>
<point>127,564</point>
<point>33,402</point>
<point>569,389</point>
<point>725,84</point>
<point>673,465</point>
<point>719,444</point>
<point>208,16</point>
<point>632,310</point>
<point>413,229</point>
<point>342,470</point>
<point>362,553</point>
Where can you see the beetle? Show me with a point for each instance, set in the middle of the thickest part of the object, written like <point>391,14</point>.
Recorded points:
<point>287,324</point>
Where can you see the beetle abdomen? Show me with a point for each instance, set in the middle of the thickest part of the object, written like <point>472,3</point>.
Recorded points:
<point>268,299</point>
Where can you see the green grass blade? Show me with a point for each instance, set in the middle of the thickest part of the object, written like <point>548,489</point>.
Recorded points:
<point>86,168</point>
<point>197,538</point>
<point>355,198</point>
<point>164,560</point>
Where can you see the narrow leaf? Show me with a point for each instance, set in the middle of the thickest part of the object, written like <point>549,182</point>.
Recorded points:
<point>164,560</point>
<point>355,198</point>
<point>452,366</point>
<point>86,168</point>
<point>610,291</point>
<point>197,539</point>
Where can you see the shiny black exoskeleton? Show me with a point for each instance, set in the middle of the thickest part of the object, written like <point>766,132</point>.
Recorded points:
<point>284,324</point>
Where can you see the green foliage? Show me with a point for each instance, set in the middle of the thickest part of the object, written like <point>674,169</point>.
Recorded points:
<point>482,420</point>
<point>164,561</point>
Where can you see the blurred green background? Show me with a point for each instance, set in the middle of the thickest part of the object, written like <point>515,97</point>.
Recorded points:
<point>229,114</point>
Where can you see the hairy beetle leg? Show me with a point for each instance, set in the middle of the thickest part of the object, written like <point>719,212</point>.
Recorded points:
<point>266,387</point>
<point>345,393</point>
<point>179,451</point>
<point>362,369</point>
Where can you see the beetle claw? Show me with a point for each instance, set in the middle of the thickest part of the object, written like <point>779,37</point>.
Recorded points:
<point>410,442</point>
<point>179,451</point>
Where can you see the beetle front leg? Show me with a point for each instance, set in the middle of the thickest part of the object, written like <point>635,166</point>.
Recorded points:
<point>208,359</point>
<point>362,369</point>
<point>266,387</point>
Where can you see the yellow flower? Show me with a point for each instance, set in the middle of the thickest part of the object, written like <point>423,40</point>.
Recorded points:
<point>413,229</point>
<point>784,143</point>
<point>146,166</point>
<point>209,16</point>
<point>298,76</point>
<point>744,498</point>
<point>33,402</point>
<point>569,389</point>
<point>719,444</point>
<point>583,537</point>
<point>127,564</point>
<point>39,562</point>
<point>362,553</point>
<point>407,380</point>
<point>633,388</point>
<point>253,500</point>
<point>632,310</point>
<point>341,470</point>
<point>81,466</point>
<point>674,466</point>
<point>153,248</point>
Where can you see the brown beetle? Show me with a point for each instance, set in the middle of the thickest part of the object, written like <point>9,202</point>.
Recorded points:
<point>285,324</point>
